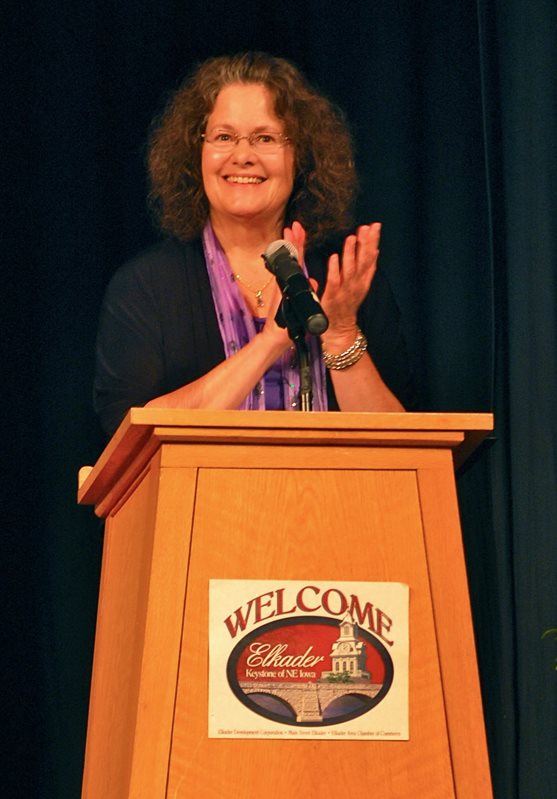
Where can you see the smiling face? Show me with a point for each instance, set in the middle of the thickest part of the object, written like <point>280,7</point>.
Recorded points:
<point>243,184</point>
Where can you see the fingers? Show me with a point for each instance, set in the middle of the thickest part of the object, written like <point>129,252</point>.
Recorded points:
<point>359,253</point>
<point>333,274</point>
<point>350,249</point>
<point>349,277</point>
<point>296,235</point>
<point>367,247</point>
<point>375,234</point>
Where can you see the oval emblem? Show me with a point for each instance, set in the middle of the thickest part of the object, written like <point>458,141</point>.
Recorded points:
<point>310,671</point>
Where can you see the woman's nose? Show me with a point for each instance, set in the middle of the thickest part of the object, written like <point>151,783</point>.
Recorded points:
<point>243,150</point>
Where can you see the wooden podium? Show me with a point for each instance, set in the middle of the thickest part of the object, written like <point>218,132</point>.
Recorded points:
<point>194,495</point>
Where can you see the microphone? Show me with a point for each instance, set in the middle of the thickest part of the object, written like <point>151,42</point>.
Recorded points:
<point>281,259</point>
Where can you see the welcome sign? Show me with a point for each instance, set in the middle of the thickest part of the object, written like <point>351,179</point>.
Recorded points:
<point>308,660</point>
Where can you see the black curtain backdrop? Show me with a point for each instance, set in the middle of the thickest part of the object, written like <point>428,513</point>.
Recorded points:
<point>453,107</point>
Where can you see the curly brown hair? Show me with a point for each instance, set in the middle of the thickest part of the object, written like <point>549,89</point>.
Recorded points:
<point>325,179</point>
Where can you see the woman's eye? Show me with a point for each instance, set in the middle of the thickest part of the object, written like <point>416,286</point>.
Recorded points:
<point>223,137</point>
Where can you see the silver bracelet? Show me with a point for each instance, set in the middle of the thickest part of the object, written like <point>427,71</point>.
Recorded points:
<point>349,357</point>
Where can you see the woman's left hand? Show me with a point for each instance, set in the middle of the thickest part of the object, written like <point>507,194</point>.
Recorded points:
<point>348,282</point>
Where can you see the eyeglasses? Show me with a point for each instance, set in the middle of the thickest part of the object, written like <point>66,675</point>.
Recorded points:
<point>262,141</point>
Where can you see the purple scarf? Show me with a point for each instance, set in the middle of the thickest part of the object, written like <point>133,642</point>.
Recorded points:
<point>237,328</point>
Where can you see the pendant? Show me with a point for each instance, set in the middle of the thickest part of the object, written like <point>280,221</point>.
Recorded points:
<point>259,298</point>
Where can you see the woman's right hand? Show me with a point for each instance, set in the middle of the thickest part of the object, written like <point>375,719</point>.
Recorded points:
<point>276,335</point>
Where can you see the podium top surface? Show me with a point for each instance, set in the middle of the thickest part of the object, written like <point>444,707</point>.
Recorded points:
<point>461,432</point>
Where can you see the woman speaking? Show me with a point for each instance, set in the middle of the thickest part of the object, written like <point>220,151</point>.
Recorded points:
<point>245,154</point>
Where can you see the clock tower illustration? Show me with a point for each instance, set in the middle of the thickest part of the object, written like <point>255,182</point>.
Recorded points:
<point>348,654</point>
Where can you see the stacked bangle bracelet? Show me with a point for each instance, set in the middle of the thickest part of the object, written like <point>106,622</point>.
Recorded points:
<point>349,357</point>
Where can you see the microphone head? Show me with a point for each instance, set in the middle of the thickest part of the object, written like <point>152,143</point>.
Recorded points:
<point>275,246</point>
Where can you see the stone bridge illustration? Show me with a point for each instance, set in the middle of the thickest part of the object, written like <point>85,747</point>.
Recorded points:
<point>309,701</point>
